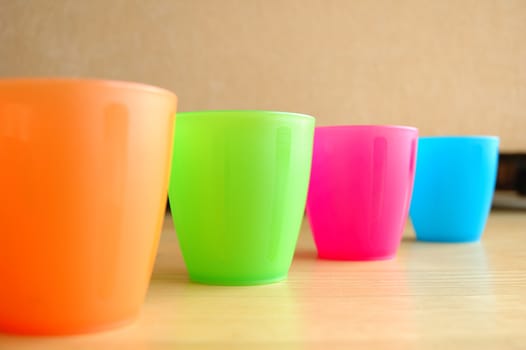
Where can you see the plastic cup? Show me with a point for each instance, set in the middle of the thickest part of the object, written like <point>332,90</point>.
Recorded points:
<point>360,190</point>
<point>85,170</point>
<point>237,193</point>
<point>454,186</point>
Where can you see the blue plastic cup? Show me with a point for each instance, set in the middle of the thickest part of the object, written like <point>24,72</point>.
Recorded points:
<point>454,186</point>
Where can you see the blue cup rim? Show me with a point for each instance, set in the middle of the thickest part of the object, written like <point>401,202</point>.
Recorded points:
<point>461,137</point>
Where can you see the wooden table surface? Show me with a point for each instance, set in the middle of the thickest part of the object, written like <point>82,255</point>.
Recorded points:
<point>432,296</point>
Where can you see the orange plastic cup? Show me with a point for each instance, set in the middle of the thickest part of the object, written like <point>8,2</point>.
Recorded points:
<point>83,187</point>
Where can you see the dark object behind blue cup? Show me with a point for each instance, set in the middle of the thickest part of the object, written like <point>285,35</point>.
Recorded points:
<point>454,186</point>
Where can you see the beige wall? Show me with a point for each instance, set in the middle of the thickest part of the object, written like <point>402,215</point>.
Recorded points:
<point>445,66</point>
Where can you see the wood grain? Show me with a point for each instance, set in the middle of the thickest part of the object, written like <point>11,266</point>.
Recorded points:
<point>432,296</point>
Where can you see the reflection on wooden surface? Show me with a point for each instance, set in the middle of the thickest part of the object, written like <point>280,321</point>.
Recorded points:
<point>468,296</point>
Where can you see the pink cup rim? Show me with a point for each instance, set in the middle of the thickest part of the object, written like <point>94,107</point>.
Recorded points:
<point>369,126</point>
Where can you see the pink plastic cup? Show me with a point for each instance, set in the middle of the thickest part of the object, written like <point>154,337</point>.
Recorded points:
<point>360,190</point>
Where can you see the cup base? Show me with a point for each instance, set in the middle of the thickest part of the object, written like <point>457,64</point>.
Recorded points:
<point>448,241</point>
<point>21,330</point>
<point>235,282</point>
<point>346,257</point>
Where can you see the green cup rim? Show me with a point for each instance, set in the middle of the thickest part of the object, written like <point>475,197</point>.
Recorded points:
<point>248,112</point>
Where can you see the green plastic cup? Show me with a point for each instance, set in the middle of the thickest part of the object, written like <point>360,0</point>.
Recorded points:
<point>237,193</point>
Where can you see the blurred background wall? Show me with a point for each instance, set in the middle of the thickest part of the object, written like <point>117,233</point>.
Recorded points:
<point>445,66</point>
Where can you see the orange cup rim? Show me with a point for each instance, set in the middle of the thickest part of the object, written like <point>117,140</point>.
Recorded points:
<point>90,81</point>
